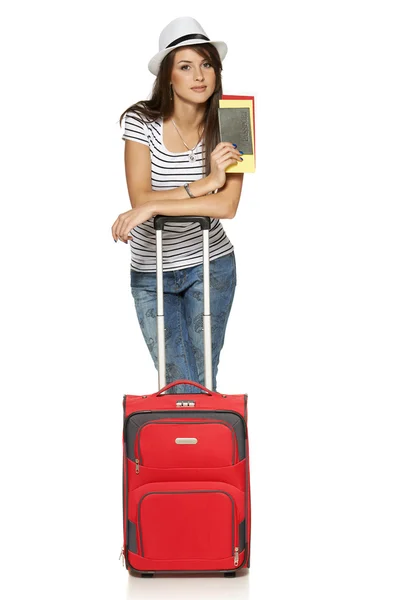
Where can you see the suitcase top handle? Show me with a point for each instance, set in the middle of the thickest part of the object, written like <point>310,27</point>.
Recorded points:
<point>186,382</point>
<point>160,220</point>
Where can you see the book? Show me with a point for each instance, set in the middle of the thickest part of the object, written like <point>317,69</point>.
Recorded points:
<point>236,118</point>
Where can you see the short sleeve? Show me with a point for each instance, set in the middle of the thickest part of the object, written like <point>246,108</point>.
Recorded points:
<point>135,128</point>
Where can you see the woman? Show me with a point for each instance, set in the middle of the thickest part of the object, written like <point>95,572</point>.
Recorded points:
<point>175,165</point>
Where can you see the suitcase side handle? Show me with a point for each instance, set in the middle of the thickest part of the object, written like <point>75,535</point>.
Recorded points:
<point>160,220</point>
<point>186,382</point>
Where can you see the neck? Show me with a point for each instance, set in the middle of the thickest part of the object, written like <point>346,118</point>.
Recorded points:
<point>188,116</point>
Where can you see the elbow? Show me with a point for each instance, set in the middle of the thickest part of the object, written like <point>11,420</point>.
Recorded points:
<point>231,210</point>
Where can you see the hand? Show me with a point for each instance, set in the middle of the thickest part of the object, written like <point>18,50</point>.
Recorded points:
<point>223,155</point>
<point>130,219</point>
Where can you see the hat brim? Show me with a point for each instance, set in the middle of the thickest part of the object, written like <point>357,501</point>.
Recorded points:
<point>155,62</point>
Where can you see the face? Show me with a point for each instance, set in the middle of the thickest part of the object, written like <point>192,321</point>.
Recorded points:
<point>190,70</point>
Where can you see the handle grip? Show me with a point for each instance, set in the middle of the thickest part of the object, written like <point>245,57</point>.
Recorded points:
<point>160,220</point>
<point>186,382</point>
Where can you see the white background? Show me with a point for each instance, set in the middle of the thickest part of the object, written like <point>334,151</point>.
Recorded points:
<point>314,331</point>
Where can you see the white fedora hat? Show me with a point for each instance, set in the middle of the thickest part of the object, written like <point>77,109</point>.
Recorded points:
<point>183,31</point>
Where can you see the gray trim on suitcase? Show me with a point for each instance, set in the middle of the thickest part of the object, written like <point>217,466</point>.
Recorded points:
<point>132,543</point>
<point>136,420</point>
<point>242,535</point>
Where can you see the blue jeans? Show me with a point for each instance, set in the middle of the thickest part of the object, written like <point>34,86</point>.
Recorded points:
<point>183,317</point>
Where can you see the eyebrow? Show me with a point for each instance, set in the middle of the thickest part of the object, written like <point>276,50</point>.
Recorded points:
<point>189,61</point>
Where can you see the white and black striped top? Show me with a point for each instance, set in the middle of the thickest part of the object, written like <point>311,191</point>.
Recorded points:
<point>182,242</point>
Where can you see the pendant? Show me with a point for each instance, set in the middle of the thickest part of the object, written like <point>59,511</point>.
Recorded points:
<point>191,156</point>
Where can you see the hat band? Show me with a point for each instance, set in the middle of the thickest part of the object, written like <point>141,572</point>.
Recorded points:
<point>191,36</point>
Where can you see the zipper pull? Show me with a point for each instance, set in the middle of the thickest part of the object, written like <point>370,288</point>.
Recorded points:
<point>236,557</point>
<point>122,555</point>
<point>137,465</point>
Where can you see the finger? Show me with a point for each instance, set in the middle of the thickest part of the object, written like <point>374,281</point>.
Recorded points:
<point>229,156</point>
<point>220,147</point>
<point>127,227</point>
<point>227,163</point>
<point>114,229</point>
<point>226,146</point>
<point>124,227</point>
<point>121,226</point>
<point>126,231</point>
<point>123,223</point>
<point>227,152</point>
<point>223,147</point>
<point>126,235</point>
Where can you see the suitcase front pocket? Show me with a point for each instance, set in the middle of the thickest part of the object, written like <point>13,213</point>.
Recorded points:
<point>185,523</point>
<point>191,443</point>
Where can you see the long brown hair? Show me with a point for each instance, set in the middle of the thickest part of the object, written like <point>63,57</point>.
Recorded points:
<point>162,105</point>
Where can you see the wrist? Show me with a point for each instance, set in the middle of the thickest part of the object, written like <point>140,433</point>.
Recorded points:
<point>211,184</point>
<point>202,187</point>
<point>152,208</point>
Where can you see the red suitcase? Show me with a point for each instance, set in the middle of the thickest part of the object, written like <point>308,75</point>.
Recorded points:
<point>186,477</point>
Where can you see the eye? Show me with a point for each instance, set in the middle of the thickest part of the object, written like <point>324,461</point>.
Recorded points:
<point>206,64</point>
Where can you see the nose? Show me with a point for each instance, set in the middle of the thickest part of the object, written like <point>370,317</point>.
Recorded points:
<point>199,75</point>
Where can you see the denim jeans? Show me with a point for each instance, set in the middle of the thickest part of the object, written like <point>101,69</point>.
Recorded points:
<point>183,317</point>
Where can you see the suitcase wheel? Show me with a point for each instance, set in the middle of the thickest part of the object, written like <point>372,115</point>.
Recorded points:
<point>230,574</point>
<point>136,574</point>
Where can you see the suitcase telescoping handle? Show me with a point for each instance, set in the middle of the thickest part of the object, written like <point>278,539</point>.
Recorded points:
<point>205,223</point>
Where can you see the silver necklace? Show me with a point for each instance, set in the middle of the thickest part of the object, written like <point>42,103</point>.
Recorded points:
<point>191,150</point>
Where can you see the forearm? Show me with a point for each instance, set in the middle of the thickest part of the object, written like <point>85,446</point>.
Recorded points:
<point>199,188</point>
<point>222,205</point>
<point>218,206</point>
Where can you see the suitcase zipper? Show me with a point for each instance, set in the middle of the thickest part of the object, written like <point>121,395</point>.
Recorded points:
<point>137,466</point>
<point>122,556</point>
<point>234,527</point>
<point>236,557</point>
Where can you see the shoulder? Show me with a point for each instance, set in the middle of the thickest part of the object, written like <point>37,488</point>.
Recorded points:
<point>146,123</point>
<point>136,127</point>
<point>134,116</point>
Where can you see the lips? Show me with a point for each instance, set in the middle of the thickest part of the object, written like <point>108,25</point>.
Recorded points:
<point>199,89</point>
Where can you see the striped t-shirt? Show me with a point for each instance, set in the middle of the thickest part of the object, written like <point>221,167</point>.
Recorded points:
<point>182,242</point>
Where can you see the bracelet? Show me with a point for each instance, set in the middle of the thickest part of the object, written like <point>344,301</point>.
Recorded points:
<point>186,186</point>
